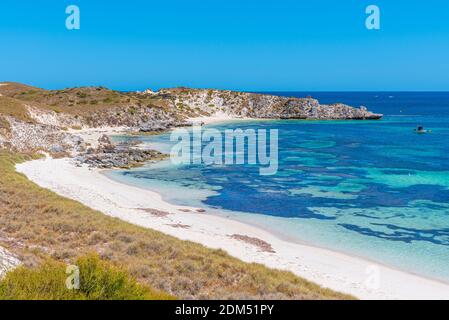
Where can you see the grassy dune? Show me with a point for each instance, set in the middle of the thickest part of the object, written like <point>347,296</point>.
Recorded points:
<point>36,223</point>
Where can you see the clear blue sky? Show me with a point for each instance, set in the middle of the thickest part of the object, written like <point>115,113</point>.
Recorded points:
<point>253,45</point>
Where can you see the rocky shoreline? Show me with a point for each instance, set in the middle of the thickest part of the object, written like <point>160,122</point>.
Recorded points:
<point>109,155</point>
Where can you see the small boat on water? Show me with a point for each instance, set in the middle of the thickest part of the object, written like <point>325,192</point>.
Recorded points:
<point>421,130</point>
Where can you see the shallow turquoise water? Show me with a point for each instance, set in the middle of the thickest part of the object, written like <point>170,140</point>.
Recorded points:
<point>374,189</point>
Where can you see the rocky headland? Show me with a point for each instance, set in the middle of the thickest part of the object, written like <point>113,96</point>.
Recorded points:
<point>54,121</point>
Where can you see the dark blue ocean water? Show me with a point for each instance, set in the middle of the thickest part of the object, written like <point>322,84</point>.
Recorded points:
<point>371,188</point>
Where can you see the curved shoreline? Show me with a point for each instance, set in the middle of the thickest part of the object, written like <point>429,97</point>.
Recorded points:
<point>327,268</point>
<point>276,233</point>
<point>225,214</point>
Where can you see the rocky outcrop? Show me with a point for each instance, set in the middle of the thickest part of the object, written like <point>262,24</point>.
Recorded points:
<point>109,155</point>
<point>134,117</point>
<point>169,108</point>
<point>31,137</point>
<point>52,118</point>
<point>252,105</point>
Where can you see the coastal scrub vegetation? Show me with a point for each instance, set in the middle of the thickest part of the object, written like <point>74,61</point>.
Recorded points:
<point>36,223</point>
<point>75,101</point>
<point>98,280</point>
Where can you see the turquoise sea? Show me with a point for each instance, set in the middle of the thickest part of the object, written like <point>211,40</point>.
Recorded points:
<point>373,189</point>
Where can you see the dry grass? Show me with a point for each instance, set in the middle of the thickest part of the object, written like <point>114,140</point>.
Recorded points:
<point>14,108</point>
<point>35,223</point>
<point>80,101</point>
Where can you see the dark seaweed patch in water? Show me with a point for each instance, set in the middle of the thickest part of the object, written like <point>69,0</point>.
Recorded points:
<point>403,234</point>
<point>379,195</point>
<point>270,202</point>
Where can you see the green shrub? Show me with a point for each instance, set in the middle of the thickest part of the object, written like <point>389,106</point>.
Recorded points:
<point>99,280</point>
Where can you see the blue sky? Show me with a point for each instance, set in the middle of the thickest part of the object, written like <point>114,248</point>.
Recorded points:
<point>251,45</point>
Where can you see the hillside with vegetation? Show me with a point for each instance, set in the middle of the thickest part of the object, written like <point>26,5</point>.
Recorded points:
<point>33,119</point>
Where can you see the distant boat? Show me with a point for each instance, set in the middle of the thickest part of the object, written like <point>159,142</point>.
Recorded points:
<point>421,130</point>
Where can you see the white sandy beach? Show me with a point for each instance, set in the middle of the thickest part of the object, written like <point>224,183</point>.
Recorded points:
<point>91,135</point>
<point>327,268</point>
